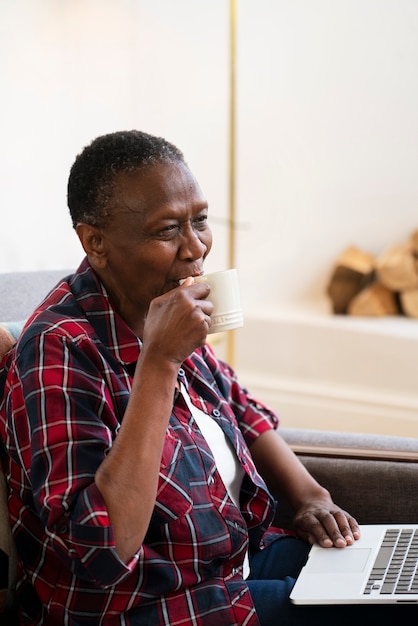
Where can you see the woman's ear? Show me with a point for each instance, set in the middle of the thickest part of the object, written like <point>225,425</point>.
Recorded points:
<point>91,239</point>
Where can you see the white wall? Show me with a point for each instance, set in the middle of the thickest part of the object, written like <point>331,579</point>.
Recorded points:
<point>333,372</point>
<point>73,70</point>
<point>327,156</point>
<point>326,122</point>
<point>328,137</point>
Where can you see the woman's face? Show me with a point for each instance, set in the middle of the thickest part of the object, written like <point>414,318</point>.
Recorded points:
<point>157,234</point>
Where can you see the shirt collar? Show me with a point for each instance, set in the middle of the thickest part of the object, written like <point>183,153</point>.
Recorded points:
<point>110,327</point>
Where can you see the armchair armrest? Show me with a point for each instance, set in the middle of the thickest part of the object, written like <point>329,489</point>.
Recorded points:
<point>374,477</point>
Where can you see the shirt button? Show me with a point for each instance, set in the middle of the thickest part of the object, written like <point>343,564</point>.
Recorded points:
<point>181,372</point>
<point>216,413</point>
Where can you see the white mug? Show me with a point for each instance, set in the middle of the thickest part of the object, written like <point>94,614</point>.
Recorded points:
<point>225,295</point>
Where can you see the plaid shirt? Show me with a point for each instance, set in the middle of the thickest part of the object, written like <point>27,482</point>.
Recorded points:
<point>67,386</point>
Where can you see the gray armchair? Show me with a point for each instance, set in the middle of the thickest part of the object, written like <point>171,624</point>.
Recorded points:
<point>372,476</point>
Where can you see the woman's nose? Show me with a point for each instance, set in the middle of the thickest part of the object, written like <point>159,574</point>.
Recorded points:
<point>192,246</point>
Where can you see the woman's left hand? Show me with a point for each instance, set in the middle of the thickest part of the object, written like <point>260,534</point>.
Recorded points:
<point>324,522</point>
<point>317,517</point>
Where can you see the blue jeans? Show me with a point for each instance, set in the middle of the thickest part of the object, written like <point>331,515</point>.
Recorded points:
<point>273,574</point>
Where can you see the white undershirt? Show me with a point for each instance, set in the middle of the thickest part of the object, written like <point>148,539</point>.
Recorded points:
<point>227,463</point>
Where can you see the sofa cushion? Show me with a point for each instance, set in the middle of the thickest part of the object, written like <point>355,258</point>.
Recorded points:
<point>21,292</point>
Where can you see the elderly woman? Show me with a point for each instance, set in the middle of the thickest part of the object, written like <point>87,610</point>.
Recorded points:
<point>124,509</point>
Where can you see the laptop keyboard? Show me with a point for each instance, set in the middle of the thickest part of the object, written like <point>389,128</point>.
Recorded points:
<point>395,567</point>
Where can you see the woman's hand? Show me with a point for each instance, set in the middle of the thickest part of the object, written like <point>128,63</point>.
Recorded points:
<point>6,341</point>
<point>317,517</point>
<point>178,322</point>
<point>324,522</point>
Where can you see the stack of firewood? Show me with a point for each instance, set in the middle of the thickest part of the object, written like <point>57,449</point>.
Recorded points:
<point>366,285</point>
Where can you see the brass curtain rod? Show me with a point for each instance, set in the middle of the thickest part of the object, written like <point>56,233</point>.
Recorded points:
<point>232,140</point>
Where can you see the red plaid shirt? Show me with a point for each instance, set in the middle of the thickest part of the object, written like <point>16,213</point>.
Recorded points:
<point>67,386</point>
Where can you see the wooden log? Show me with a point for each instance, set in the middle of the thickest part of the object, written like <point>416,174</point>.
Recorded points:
<point>354,269</point>
<point>376,300</point>
<point>409,302</point>
<point>396,268</point>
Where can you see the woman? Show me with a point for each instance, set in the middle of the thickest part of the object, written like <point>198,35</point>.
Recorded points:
<point>138,465</point>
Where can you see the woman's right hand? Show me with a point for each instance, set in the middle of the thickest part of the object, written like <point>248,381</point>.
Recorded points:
<point>178,321</point>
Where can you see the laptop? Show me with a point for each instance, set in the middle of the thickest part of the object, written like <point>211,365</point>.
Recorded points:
<point>379,568</point>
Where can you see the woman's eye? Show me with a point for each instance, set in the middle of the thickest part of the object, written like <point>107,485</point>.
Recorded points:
<point>168,230</point>
<point>201,221</point>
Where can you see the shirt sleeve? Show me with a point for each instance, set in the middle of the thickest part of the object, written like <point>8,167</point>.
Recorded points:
<point>66,420</point>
